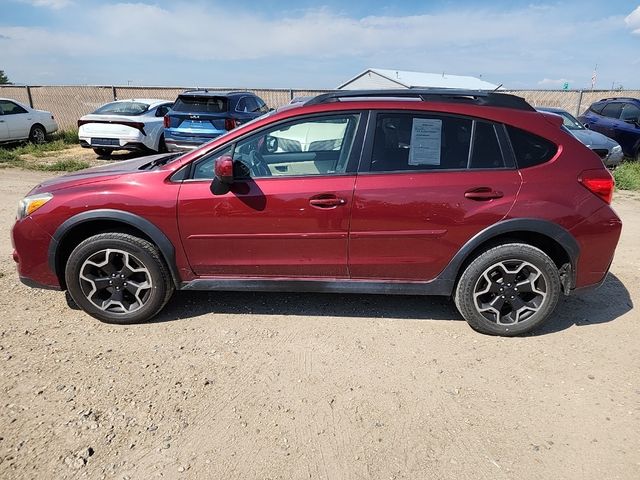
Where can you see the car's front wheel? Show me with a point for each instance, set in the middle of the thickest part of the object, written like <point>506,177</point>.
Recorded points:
<point>118,278</point>
<point>508,290</point>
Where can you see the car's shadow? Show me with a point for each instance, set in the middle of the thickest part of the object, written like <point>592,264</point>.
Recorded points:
<point>597,306</point>
<point>123,155</point>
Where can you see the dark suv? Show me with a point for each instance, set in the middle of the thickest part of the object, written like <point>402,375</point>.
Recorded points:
<point>466,194</point>
<point>617,118</point>
<point>202,115</point>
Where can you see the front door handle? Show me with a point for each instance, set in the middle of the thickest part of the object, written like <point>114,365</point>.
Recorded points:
<point>326,201</point>
<point>483,193</point>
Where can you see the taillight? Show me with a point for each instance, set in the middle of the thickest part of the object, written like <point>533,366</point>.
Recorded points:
<point>167,121</point>
<point>230,123</point>
<point>599,182</point>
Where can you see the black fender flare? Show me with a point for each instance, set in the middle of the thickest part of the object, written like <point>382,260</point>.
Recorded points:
<point>157,236</point>
<point>516,225</point>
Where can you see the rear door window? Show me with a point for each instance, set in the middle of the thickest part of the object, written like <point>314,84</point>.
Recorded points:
<point>262,106</point>
<point>247,105</point>
<point>423,142</point>
<point>630,112</point>
<point>612,110</point>
<point>485,150</point>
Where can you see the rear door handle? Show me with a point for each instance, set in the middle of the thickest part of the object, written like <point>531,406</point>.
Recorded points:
<point>326,201</point>
<point>483,193</point>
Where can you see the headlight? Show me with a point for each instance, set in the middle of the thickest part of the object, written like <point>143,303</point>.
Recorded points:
<point>616,149</point>
<point>30,204</point>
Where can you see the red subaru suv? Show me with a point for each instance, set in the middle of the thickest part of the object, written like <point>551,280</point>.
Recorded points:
<point>468,194</point>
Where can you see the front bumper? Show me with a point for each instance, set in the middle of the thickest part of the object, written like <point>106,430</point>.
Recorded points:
<point>614,159</point>
<point>31,246</point>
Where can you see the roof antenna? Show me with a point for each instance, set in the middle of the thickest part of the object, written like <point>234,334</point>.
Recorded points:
<point>497,88</point>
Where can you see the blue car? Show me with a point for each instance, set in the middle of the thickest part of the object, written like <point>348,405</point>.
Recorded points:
<point>198,116</point>
<point>617,118</point>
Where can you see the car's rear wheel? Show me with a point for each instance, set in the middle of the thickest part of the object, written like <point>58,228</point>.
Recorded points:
<point>103,152</point>
<point>118,278</point>
<point>37,134</point>
<point>508,290</point>
<point>162,146</point>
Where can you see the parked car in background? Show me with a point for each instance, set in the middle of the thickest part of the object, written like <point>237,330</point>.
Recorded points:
<point>202,115</point>
<point>606,148</point>
<point>617,118</point>
<point>21,122</point>
<point>136,124</point>
<point>473,195</point>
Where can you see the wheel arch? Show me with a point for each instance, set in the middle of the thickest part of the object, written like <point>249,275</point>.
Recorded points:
<point>37,124</point>
<point>86,224</point>
<point>549,237</point>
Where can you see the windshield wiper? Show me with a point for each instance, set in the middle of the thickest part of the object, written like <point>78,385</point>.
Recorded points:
<point>159,161</point>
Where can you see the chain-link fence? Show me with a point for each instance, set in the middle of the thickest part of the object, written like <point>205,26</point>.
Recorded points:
<point>574,101</point>
<point>69,103</point>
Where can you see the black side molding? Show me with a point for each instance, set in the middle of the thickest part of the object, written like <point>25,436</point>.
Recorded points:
<point>154,233</point>
<point>434,287</point>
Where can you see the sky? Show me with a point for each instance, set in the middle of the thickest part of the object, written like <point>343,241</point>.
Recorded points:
<point>305,44</point>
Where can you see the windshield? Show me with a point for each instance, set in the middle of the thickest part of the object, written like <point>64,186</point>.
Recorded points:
<point>122,108</point>
<point>570,122</point>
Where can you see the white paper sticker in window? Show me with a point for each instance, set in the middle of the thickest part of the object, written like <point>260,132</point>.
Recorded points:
<point>426,141</point>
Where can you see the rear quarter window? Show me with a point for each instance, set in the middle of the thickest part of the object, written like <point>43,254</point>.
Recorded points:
<point>530,149</point>
<point>201,104</point>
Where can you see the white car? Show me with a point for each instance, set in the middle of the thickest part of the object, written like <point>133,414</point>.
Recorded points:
<point>136,124</point>
<point>20,122</point>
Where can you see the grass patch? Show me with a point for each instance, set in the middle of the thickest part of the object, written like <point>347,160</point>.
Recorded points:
<point>60,166</point>
<point>68,137</point>
<point>11,155</point>
<point>627,176</point>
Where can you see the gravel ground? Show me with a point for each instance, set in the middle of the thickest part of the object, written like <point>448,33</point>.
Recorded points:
<point>302,386</point>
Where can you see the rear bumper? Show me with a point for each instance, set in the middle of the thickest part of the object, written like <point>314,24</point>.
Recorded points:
<point>133,146</point>
<point>185,141</point>
<point>598,237</point>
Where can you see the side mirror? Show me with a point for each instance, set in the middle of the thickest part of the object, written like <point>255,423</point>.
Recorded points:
<point>222,175</point>
<point>633,121</point>
<point>271,144</point>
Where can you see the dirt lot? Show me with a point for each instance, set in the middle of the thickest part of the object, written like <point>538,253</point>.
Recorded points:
<point>269,386</point>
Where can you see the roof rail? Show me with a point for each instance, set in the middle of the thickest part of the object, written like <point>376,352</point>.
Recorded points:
<point>449,95</point>
<point>214,91</point>
<point>617,98</point>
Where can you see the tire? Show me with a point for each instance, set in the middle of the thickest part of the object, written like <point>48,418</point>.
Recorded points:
<point>162,146</point>
<point>103,152</point>
<point>37,134</point>
<point>118,278</point>
<point>488,297</point>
